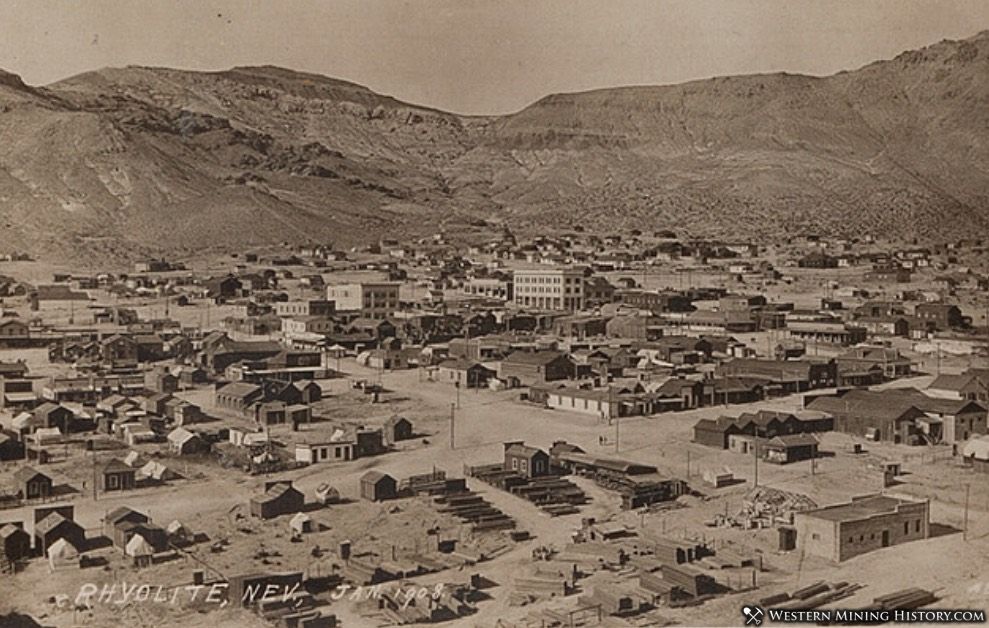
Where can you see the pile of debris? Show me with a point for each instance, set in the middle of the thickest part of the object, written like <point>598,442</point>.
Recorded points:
<point>766,507</point>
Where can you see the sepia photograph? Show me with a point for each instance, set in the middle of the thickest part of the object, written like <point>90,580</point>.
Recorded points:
<point>494,313</point>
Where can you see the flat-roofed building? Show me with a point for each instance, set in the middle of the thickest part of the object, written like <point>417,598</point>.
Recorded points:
<point>550,288</point>
<point>372,299</point>
<point>311,307</point>
<point>864,524</point>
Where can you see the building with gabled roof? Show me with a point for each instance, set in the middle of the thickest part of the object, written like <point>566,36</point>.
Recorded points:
<point>527,461</point>
<point>33,484</point>
<point>279,498</point>
<point>536,367</point>
<point>377,486</point>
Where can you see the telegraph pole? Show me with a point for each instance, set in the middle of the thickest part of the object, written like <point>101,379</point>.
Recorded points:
<point>611,408</point>
<point>965,524</point>
<point>617,423</point>
<point>95,497</point>
<point>755,458</point>
<point>452,411</point>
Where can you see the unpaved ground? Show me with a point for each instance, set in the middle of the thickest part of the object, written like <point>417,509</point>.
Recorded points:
<point>211,498</point>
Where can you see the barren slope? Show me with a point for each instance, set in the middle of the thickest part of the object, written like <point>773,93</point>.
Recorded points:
<point>131,161</point>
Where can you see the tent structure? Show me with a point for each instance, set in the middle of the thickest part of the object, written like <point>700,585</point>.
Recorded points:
<point>326,494</point>
<point>132,459</point>
<point>22,421</point>
<point>300,523</point>
<point>141,551</point>
<point>62,554</point>
<point>154,470</point>
<point>977,448</point>
<point>264,458</point>
<point>45,435</point>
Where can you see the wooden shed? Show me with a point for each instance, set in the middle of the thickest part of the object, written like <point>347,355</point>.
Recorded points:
<point>377,486</point>
<point>279,498</point>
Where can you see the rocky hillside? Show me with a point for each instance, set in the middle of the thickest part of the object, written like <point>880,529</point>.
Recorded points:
<point>132,161</point>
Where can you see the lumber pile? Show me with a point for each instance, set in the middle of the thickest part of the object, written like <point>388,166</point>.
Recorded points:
<point>542,586</point>
<point>662,590</point>
<point>470,507</point>
<point>812,596</point>
<point>614,600</point>
<point>905,599</point>
<point>555,494</point>
<point>549,490</point>
<point>689,579</point>
<point>674,552</point>
<point>593,553</point>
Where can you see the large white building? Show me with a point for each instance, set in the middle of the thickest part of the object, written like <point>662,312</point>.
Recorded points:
<point>372,299</point>
<point>305,308</point>
<point>550,288</point>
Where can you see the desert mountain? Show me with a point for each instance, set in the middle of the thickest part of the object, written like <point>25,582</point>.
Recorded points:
<point>135,161</point>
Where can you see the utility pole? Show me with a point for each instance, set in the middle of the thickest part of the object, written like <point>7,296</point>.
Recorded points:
<point>688,464</point>
<point>95,497</point>
<point>755,458</point>
<point>611,408</point>
<point>452,441</point>
<point>457,386</point>
<point>965,524</point>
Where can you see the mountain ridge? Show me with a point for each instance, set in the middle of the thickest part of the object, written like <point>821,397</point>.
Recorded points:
<point>125,162</point>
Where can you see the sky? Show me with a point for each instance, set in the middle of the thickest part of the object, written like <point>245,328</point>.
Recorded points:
<point>473,56</point>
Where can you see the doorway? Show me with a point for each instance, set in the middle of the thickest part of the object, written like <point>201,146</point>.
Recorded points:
<point>885,538</point>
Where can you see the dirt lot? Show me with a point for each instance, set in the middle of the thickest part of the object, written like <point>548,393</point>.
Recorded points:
<point>209,498</point>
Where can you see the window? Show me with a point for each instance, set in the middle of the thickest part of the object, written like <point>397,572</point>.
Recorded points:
<point>515,464</point>
<point>815,536</point>
<point>851,539</point>
<point>112,481</point>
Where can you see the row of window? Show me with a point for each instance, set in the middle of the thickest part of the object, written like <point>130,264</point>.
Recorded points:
<point>544,279</point>
<point>872,536</point>
<point>523,465</point>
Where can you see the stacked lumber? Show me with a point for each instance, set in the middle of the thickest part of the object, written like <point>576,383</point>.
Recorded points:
<point>472,508</point>
<point>592,553</point>
<point>557,510</point>
<point>905,599</point>
<point>613,600</point>
<point>816,595</point>
<point>638,494</point>
<point>660,587</point>
<point>770,601</point>
<point>674,552</point>
<point>550,490</point>
<point>690,580</point>
<point>543,586</point>
<point>360,572</point>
